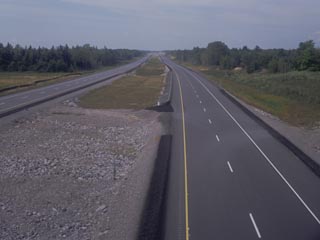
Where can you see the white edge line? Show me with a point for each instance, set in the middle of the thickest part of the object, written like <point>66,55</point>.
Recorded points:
<point>259,149</point>
<point>210,121</point>
<point>255,225</point>
<point>231,170</point>
<point>204,109</point>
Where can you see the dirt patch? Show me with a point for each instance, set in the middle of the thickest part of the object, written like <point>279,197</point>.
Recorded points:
<point>61,172</point>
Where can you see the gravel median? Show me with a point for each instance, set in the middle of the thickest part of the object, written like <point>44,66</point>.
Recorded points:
<point>63,172</point>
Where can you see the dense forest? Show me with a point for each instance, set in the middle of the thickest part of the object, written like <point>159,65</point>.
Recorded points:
<point>61,58</point>
<point>305,57</point>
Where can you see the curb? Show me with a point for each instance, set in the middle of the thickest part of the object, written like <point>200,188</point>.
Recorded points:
<point>168,88</point>
<point>164,104</point>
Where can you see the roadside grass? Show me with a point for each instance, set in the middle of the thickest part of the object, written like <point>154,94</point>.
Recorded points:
<point>153,68</point>
<point>135,91</point>
<point>9,79</point>
<point>294,97</point>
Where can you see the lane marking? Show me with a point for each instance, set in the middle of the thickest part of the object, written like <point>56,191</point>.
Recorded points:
<point>255,225</point>
<point>204,109</point>
<point>210,121</point>
<point>200,101</point>
<point>259,149</point>
<point>185,161</point>
<point>231,170</point>
<point>197,96</point>
<point>217,137</point>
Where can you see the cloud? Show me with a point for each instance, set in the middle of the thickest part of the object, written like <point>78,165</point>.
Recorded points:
<point>161,24</point>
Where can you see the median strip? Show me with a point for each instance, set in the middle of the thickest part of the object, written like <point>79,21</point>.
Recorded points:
<point>139,90</point>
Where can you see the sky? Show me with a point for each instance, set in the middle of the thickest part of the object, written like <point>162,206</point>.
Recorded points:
<point>160,24</point>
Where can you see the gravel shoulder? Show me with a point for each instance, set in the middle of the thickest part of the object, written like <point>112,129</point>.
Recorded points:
<point>74,173</point>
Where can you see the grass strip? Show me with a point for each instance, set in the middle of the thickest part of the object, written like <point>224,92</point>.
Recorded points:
<point>136,91</point>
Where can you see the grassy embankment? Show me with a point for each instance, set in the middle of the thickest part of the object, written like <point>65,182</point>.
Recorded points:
<point>135,91</point>
<point>8,79</point>
<point>294,97</point>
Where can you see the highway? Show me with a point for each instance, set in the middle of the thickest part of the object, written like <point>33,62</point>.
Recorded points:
<point>16,102</point>
<point>229,178</point>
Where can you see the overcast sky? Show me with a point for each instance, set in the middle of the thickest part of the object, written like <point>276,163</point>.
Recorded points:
<point>160,24</point>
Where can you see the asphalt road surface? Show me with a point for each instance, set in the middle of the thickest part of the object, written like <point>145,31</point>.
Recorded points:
<point>229,178</point>
<point>16,102</point>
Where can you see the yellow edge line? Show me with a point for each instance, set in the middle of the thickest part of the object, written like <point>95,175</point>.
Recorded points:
<point>185,160</point>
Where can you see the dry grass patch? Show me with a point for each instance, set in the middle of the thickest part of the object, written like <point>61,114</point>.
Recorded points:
<point>131,92</point>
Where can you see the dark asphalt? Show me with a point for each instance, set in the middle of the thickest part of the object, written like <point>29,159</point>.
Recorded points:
<point>242,182</point>
<point>16,102</point>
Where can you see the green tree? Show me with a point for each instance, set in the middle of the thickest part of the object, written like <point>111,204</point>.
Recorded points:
<point>216,51</point>
<point>307,56</point>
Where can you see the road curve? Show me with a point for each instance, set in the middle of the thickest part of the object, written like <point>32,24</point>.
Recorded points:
<point>229,178</point>
<point>16,102</point>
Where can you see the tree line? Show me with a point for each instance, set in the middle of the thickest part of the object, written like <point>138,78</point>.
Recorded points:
<point>305,57</point>
<point>61,58</point>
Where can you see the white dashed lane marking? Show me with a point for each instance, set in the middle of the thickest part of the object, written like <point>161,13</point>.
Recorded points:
<point>217,137</point>
<point>231,170</point>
